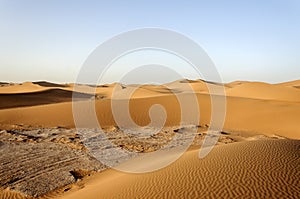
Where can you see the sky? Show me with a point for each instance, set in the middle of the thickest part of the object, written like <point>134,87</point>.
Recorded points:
<point>247,40</point>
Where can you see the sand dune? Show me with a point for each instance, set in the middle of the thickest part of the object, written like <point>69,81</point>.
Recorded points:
<point>21,88</point>
<point>255,112</point>
<point>198,86</point>
<point>258,90</point>
<point>236,83</point>
<point>50,96</point>
<point>244,115</point>
<point>49,84</point>
<point>295,84</point>
<point>254,169</point>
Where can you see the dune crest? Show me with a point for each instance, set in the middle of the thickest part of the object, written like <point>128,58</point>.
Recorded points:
<point>258,90</point>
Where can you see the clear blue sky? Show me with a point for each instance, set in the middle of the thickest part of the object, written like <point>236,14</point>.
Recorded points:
<point>247,40</point>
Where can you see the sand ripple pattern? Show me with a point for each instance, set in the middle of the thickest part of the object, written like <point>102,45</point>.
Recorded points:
<point>253,169</point>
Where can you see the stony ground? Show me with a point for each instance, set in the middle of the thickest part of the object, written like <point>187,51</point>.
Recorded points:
<point>35,162</point>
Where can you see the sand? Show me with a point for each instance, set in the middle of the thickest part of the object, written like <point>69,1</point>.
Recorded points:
<point>253,169</point>
<point>257,156</point>
<point>276,115</point>
<point>258,90</point>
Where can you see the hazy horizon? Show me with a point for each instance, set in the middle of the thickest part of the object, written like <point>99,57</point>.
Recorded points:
<point>154,83</point>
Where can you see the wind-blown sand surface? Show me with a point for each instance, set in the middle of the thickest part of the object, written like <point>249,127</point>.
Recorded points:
<point>253,169</point>
<point>276,112</point>
<point>262,118</point>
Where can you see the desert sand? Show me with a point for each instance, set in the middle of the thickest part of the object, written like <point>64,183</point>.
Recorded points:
<point>251,106</point>
<point>257,154</point>
<point>254,169</point>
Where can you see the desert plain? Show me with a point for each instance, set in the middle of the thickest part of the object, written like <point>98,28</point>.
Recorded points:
<point>44,155</point>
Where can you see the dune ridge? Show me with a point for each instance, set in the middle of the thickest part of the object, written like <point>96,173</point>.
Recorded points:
<point>258,90</point>
<point>50,96</point>
<point>252,115</point>
<point>257,153</point>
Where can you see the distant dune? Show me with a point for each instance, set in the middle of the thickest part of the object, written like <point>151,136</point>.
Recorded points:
<point>258,90</point>
<point>251,106</point>
<point>295,84</point>
<point>13,100</point>
<point>236,83</point>
<point>49,84</point>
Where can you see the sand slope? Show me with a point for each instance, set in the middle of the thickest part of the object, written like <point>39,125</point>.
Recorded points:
<point>254,169</point>
<point>258,90</point>
<point>21,88</point>
<point>50,84</point>
<point>243,115</point>
<point>295,83</point>
<point>257,107</point>
<point>235,83</point>
<point>50,96</point>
